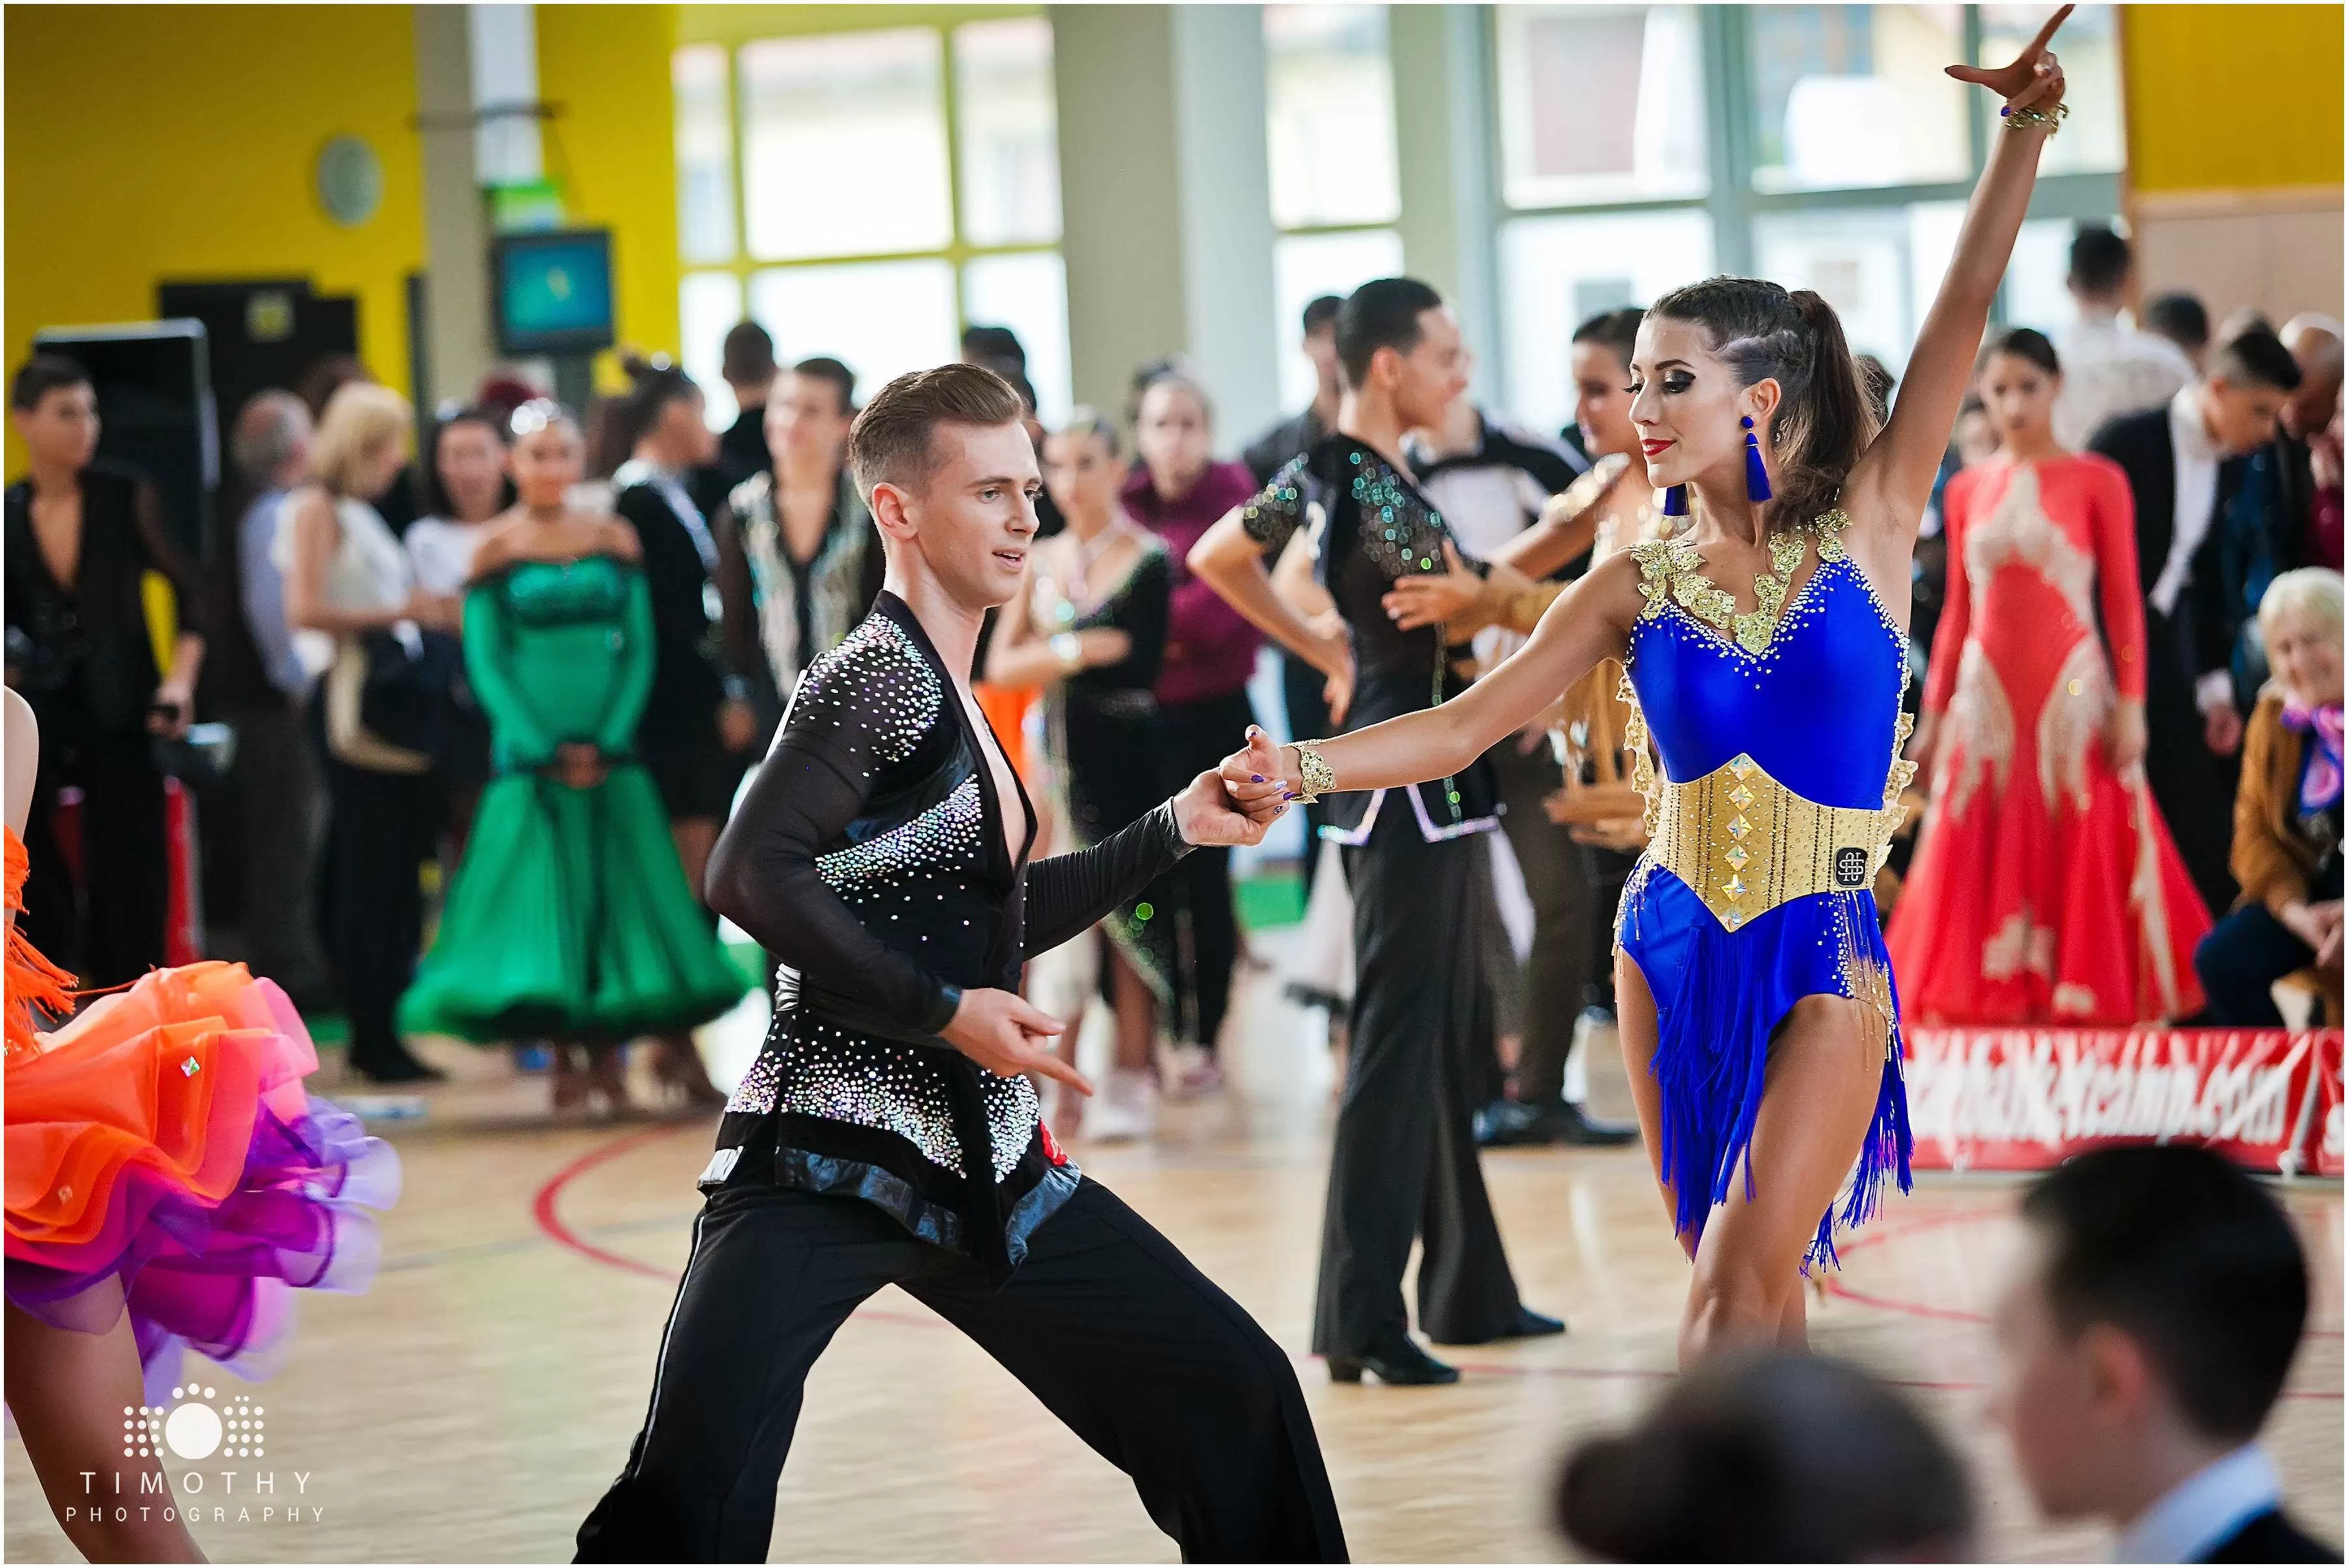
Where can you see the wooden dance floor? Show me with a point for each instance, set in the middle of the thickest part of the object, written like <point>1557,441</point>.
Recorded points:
<point>476,1403</point>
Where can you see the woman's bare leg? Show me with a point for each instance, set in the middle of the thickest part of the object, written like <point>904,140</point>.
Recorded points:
<point>64,1389</point>
<point>1826,1067</point>
<point>1634,1017</point>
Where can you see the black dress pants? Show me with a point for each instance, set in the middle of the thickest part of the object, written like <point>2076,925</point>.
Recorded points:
<point>1556,974</point>
<point>1198,736</point>
<point>1158,1371</point>
<point>113,933</point>
<point>1304,688</point>
<point>2239,963</point>
<point>379,833</point>
<point>2193,785</point>
<point>1404,1164</point>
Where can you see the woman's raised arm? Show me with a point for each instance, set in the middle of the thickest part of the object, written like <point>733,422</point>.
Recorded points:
<point>1889,488</point>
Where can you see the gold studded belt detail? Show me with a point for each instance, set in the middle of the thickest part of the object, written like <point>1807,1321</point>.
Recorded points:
<point>1745,843</point>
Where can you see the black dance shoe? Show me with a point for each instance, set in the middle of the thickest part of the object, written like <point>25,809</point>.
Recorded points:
<point>402,1068</point>
<point>1527,1324</point>
<point>1506,1123</point>
<point>1568,1122</point>
<point>1398,1361</point>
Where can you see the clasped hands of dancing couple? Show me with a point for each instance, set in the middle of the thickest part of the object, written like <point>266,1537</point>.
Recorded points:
<point>1760,1019</point>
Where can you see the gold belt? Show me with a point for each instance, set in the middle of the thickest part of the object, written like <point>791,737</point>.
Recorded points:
<point>1745,843</point>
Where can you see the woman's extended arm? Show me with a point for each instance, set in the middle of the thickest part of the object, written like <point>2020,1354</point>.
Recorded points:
<point>1590,621</point>
<point>1888,491</point>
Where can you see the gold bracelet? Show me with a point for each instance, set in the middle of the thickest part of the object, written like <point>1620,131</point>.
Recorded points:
<point>1315,775</point>
<point>2016,118</point>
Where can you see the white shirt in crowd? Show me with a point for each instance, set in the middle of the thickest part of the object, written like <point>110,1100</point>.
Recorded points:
<point>2204,1511</point>
<point>2109,368</point>
<point>368,571</point>
<point>441,551</point>
<point>2196,504</point>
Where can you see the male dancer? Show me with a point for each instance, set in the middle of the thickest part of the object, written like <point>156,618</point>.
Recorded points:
<point>886,1134</point>
<point>1405,1161</point>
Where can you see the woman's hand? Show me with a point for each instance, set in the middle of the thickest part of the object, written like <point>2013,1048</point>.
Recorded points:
<point>2317,924</point>
<point>2124,740</point>
<point>579,766</point>
<point>171,711</point>
<point>1429,599</point>
<point>1103,646</point>
<point>1260,774</point>
<point>435,612</point>
<point>738,725</point>
<point>2035,79</point>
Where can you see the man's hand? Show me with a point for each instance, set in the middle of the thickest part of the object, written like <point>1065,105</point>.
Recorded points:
<point>2221,728</point>
<point>1009,1036</point>
<point>173,706</point>
<point>1208,814</point>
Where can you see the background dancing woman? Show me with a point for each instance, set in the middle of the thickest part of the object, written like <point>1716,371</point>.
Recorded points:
<point>2046,887</point>
<point>1756,1006</point>
<point>1090,628</point>
<point>570,917</point>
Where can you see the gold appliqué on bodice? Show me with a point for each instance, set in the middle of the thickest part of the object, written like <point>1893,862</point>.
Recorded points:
<point>1672,572</point>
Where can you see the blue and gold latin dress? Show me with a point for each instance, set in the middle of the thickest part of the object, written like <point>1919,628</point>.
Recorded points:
<point>1779,732</point>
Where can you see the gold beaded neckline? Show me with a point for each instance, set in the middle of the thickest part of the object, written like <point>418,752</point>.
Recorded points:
<point>1671,573</point>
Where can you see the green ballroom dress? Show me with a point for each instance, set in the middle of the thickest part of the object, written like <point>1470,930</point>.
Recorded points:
<point>570,917</point>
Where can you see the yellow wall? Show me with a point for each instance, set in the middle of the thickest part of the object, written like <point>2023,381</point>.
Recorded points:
<point>2232,97</point>
<point>148,142</point>
<point>613,148</point>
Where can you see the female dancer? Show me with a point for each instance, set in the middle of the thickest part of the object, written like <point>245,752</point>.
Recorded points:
<point>570,918</point>
<point>2045,887</point>
<point>1756,1006</point>
<point>169,1184</point>
<point>1177,491</point>
<point>1091,630</point>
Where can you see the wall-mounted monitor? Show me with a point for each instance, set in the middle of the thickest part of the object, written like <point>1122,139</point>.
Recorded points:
<point>552,292</point>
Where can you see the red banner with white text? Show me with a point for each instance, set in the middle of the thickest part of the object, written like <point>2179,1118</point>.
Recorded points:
<point>2021,1100</point>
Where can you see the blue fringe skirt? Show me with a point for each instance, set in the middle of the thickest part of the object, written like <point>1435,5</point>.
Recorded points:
<point>1719,995</point>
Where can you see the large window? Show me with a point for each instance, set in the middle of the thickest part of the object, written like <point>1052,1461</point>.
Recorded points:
<point>894,186</point>
<point>1841,160</point>
<point>1336,187</point>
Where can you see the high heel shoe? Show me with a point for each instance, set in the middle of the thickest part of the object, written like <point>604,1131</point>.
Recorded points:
<point>677,1069</point>
<point>607,1078</point>
<point>1399,1361</point>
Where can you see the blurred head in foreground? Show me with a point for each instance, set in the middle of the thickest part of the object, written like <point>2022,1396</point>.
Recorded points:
<point>2144,1327</point>
<point>1772,1457</point>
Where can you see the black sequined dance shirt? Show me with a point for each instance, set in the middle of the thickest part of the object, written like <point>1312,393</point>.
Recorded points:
<point>1375,528</point>
<point>869,858</point>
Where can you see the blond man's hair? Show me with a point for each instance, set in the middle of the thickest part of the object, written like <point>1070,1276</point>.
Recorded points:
<point>360,419</point>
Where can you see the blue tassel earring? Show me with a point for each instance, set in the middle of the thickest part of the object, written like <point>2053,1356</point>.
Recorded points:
<point>1676,502</point>
<point>1757,476</point>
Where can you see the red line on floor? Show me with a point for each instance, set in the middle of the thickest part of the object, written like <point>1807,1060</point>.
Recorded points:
<point>545,1206</point>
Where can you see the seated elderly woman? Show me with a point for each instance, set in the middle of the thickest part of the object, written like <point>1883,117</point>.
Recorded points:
<point>2286,816</point>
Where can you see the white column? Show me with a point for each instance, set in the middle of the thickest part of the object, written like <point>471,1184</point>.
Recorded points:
<point>1165,193</point>
<point>1449,198</point>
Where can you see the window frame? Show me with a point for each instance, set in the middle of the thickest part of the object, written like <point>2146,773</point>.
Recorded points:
<point>1734,204</point>
<point>958,252</point>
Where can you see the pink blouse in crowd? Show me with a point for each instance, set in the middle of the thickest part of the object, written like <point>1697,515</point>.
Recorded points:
<point>1209,646</point>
